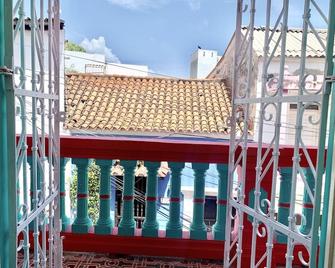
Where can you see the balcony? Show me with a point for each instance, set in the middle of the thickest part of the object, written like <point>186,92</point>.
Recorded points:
<point>172,240</point>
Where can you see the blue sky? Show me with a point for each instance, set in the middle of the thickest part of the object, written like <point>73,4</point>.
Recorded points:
<point>162,33</point>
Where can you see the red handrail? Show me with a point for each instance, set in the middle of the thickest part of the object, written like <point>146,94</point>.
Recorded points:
<point>153,149</point>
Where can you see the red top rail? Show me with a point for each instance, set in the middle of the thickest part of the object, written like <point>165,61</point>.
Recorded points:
<point>145,149</point>
<point>153,149</point>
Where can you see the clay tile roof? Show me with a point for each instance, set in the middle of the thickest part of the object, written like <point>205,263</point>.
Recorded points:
<point>146,105</point>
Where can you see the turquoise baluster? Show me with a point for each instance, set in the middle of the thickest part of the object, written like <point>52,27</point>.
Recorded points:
<point>127,223</point>
<point>174,227</point>
<point>82,222</point>
<point>150,225</point>
<point>105,223</point>
<point>65,219</point>
<point>198,227</point>
<point>307,210</point>
<point>219,226</point>
<point>30,161</point>
<point>284,200</point>
<point>33,202</point>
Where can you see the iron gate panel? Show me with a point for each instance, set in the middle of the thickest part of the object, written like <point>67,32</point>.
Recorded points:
<point>254,210</point>
<point>37,88</point>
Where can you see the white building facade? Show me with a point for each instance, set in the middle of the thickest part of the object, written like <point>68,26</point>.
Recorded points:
<point>82,62</point>
<point>203,62</point>
<point>315,69</point>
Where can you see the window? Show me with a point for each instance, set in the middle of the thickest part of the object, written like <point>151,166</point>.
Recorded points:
<point>310,107</point>
<point>95,68</point>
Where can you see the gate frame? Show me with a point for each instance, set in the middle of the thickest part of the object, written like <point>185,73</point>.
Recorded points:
<point>238,147</point>
<point>7,140</point>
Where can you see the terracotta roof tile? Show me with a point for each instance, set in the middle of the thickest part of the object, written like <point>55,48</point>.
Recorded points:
<point>148,104</point>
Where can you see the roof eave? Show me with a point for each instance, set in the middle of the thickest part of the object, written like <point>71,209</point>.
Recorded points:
<point>159,135</point>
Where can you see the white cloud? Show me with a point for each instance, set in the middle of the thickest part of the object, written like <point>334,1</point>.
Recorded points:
<point>137,4</point>
<point>205,23</point>
<point>194,4</point>
<point>99,46</point>
<point>148,4</point>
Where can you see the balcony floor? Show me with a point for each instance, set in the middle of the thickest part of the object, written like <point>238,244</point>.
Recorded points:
<point>72,260</point>
<point>91,260</point>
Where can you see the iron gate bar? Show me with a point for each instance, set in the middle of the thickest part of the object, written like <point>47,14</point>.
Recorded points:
<point>275,152</point>
<point>279,226</point>
<point>55,152</point>
<point>7,141</point>
<point>328,88</point>
<point>23,92</point>
<point>239,90</point>
<point>36,212</point>
<point>260,158</point>
<point>278,99</point>
<point>232,144</point>
<point>298,138</point>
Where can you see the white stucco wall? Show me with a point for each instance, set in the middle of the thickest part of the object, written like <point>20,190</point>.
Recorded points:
<point>82,62</point>
<point>127,69</point>
<point>288,115</point>
<point>75,61</point>
<point>203,62</point>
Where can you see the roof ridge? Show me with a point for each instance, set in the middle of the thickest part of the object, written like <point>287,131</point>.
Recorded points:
<point>143,77</point>
<point>27,21</point>
<point>290,29</point>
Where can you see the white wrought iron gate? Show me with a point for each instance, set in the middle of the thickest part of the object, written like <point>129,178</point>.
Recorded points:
<point>37,86</point>
<point>260,212</point>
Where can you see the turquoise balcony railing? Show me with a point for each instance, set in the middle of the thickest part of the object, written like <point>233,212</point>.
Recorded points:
<point>178,235</point>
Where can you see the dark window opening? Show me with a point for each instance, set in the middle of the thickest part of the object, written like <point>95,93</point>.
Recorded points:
<point>309,107</point>
<point>210,211</point>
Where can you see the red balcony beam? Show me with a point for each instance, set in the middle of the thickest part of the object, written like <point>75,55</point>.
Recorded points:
<point>145,149</point>
<point>163,247</point>
<point>286,153</point>
<point>151,149</point>
<point>138,245</point>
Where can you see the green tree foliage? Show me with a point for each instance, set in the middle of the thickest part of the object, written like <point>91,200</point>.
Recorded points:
<point>93,190</point>
<point>73,47</point>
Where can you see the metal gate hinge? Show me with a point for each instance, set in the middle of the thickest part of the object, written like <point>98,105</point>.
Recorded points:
<point>6,71</point>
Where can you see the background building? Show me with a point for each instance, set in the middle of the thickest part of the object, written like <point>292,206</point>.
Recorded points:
<point>83,62</point>
<point>203,61</point>
<point>315,67</point>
